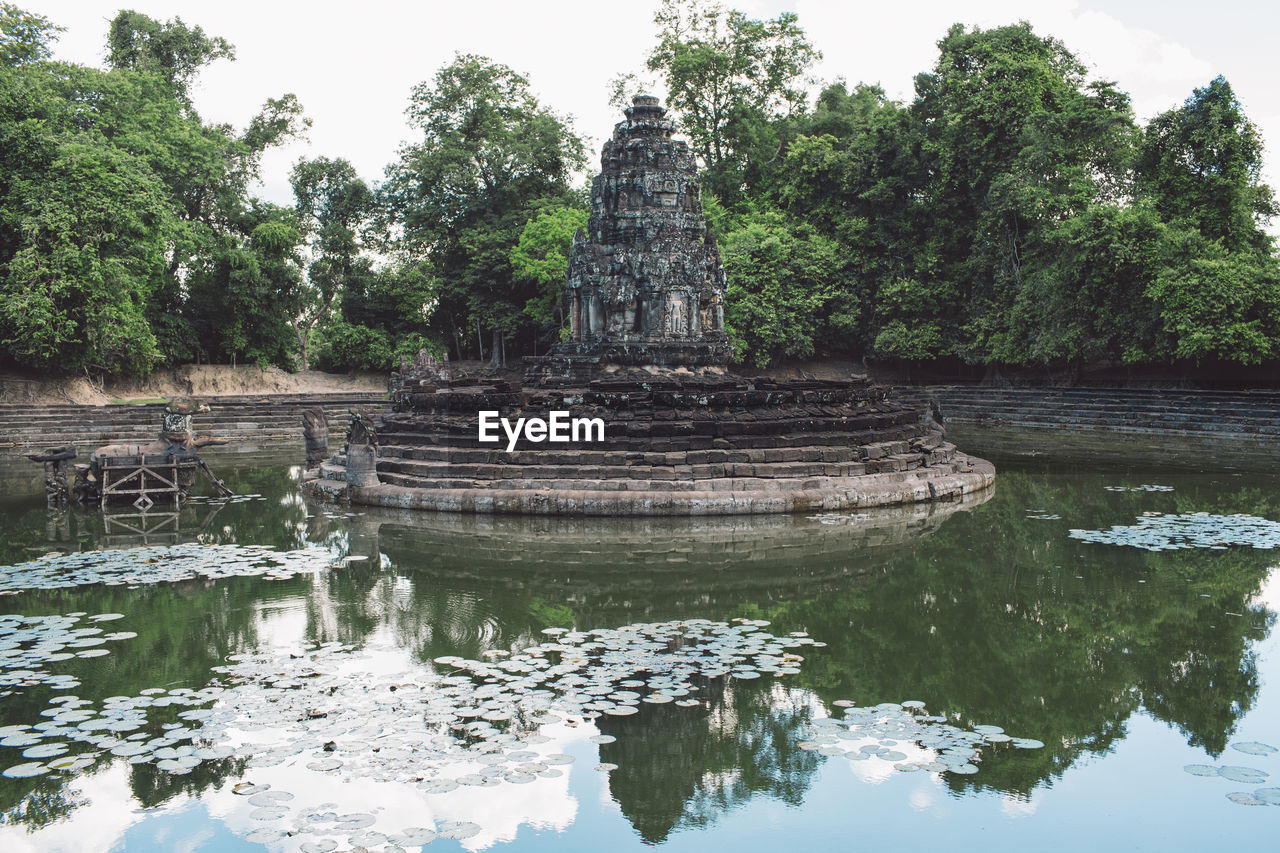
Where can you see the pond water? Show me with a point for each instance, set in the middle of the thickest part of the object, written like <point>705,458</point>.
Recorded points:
<point>1084,656</point>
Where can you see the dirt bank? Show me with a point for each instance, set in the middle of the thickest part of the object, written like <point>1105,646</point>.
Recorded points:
<point>199,380</point>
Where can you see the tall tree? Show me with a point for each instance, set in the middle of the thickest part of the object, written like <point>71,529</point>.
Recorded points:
<point>856,175</point>
<point>1015,141</point>
<point>24,36</point>
<point>93,228</point>
<point>1202,163</point>
<point>541,257</point>
<point>333,205</point>
<point>785,293</point>
<point>244,294</point>
<point>208,170</point>
<point>490,157</point>
<point>733,81</point>
<point>171,50</point>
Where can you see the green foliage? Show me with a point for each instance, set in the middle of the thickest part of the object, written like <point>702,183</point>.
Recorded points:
<point>394,303</point>
<point>1218,304</point>
<point>171,50</point>
<point>24,37</point>
<point>243,298</point>
<point>490,158</point>
<point>354,348</point>
<point>83,229</point>
<point>910,329</point>
<point>732,81</point>
<point>782,294</point>
<point>1015,214</point>
<point>1088,297</point>
<point>127,235</point>
<point>332,204</point>
<point>541,257</point>
<point>1016,143</point>
<point>856,174</point>
<point>1012,213</point>
<point>1201,164</point>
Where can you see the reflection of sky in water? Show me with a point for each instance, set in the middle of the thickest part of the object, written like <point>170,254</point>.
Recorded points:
<point>877,608</point>
<point>542,804</point>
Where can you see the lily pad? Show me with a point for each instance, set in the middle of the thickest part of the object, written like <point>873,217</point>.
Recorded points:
<point>1244,798</point>
<point>458,829</point>
<point>22,771</point>
<point>1242,774</point>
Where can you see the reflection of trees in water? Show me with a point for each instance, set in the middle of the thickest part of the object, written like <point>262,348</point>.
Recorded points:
<point>184,630</point>
<point>990,623</point>
<point>684,767</point>
<point>37,802</point>
<point>982,616</point>
<point>154,787</point>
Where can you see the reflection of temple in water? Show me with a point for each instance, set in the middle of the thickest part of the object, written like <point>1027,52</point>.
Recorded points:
<point>684,767</point>
<point>494,581</point>
<point>611,571</point>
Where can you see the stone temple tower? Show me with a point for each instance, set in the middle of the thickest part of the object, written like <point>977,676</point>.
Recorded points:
<point>645,281</point>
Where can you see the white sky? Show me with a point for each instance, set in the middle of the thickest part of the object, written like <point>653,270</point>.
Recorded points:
<point>353,64</point>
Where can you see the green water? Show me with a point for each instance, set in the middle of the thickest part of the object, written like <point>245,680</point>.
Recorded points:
<point>1127,664</point>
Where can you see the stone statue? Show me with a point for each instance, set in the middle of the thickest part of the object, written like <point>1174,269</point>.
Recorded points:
<point>677,323</point>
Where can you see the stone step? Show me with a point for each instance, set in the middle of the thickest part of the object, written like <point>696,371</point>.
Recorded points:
<point>1229,414</point>
<point>260,420</point>
<point>598,458</point>
<point>567,469</point>
<point>715,485</point>
<point>392,435</point>
<point>1209,425</point>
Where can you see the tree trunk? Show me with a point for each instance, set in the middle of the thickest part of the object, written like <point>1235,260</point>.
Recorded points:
<point>302,345</point>
<point>497,349</point>
<point>457,341</point>
<point>479,340</point>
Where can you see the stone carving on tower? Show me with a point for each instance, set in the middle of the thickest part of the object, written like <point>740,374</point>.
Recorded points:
<point>645,281</point>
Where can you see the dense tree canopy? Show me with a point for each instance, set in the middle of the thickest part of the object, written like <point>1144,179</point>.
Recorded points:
<point>1013,213</point>
<point>127,236</point>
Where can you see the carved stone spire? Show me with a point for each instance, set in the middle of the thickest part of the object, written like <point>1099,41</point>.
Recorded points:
<point>645,281</point>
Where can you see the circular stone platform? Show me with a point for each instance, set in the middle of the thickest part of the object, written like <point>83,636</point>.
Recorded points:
<point>677,442</point>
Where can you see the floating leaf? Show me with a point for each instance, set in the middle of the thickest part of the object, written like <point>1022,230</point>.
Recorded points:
<point>458,829</point>
<point>22,771</point>
<point>1242,774</point>
<point>1159,532</point>
<point>1243,798</point>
